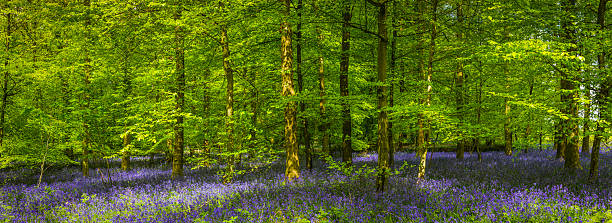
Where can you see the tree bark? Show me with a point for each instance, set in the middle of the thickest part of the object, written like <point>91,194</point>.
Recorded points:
<point>423,123</point>
<point>459,79</point>
<point>179,51</point>
<point>392,75</point>
<point>5,81</point>
<point>603,98</point>
<point>347,148</point>
<point>383,122</point>
<point>507,115</point>
<point>572,155</point>
<point>86,98</point>
<point>324,125</point>
<point>292,165</point>
<point>586,138</point>
<point>125,156</point>
<point>298,48</point>
<point>229,105</point>
<point>529,120</point>
<point>559,143</point>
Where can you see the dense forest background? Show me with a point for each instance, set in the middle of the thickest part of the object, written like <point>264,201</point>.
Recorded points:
<point>228,83</point>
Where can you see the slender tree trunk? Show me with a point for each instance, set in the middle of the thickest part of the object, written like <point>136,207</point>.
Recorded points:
<point>324,125</point>
<point>424,129</point>
<point>478,114</point>
<point>305,136</point>
<point>347,148</point>
<point>127,138</point>
<point>603,98</point>
<point>459,79</point>
<point>179,50</point>
<point>292,165</point>
<point>392,75</point>
<point>529,120</point>
<point>125,156</point>
<point>507,115</point>
<point>572,155</point>
<point>229,106</point>
<point>383,122</point>
<point>585,127</point>
<point>5,81</point>
<point>86,98</point>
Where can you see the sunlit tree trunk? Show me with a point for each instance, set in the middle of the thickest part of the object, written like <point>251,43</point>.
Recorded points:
<point>603,98</point>
<point>179,51</point>
<point>229,105</point>
<point>422,122</point>
<point>292,165</point>
<point>347,148</point>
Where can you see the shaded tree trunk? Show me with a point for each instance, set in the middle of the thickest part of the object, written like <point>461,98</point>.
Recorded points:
<point>572,155</point>
<point>585,127</point>
<point>229,105</point>
<point>292,164</point>
<point>529,120</point>
<point>347,148</point>
<point>508,117</point>
<point>5,81</point>
<point>459,79</point>
<point>383,122</point>
<point>603,98</point>
<point>298,48</point>
<point>125,158</point>
<point>179,51</point>
<point>86,98</point>
<point>324,125</point>
<point>559,143</point>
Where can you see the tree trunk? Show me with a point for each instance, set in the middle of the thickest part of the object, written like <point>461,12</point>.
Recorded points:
<point>125,156</point>
<point>86,99</point>
<point>528,128</point>
<point>585,127</point>
<point>507,121</point>
<point>347,148</point>
<point>478,114</point>
<point>392,75</point>
<point>179,50</point>
<point>572,155</point>
<point>459,79</point>
<point>324,125</point>
<point>424,129</point>
<point>603,98</point>
<point>383,122</point>
<point>292,165</point>
<point>559,143</point>
<point>5,81</point>
<point>229,106</point>
<point>298,48</point>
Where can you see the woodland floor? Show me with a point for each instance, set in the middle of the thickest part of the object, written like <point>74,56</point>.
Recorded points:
<point>526,187</point>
